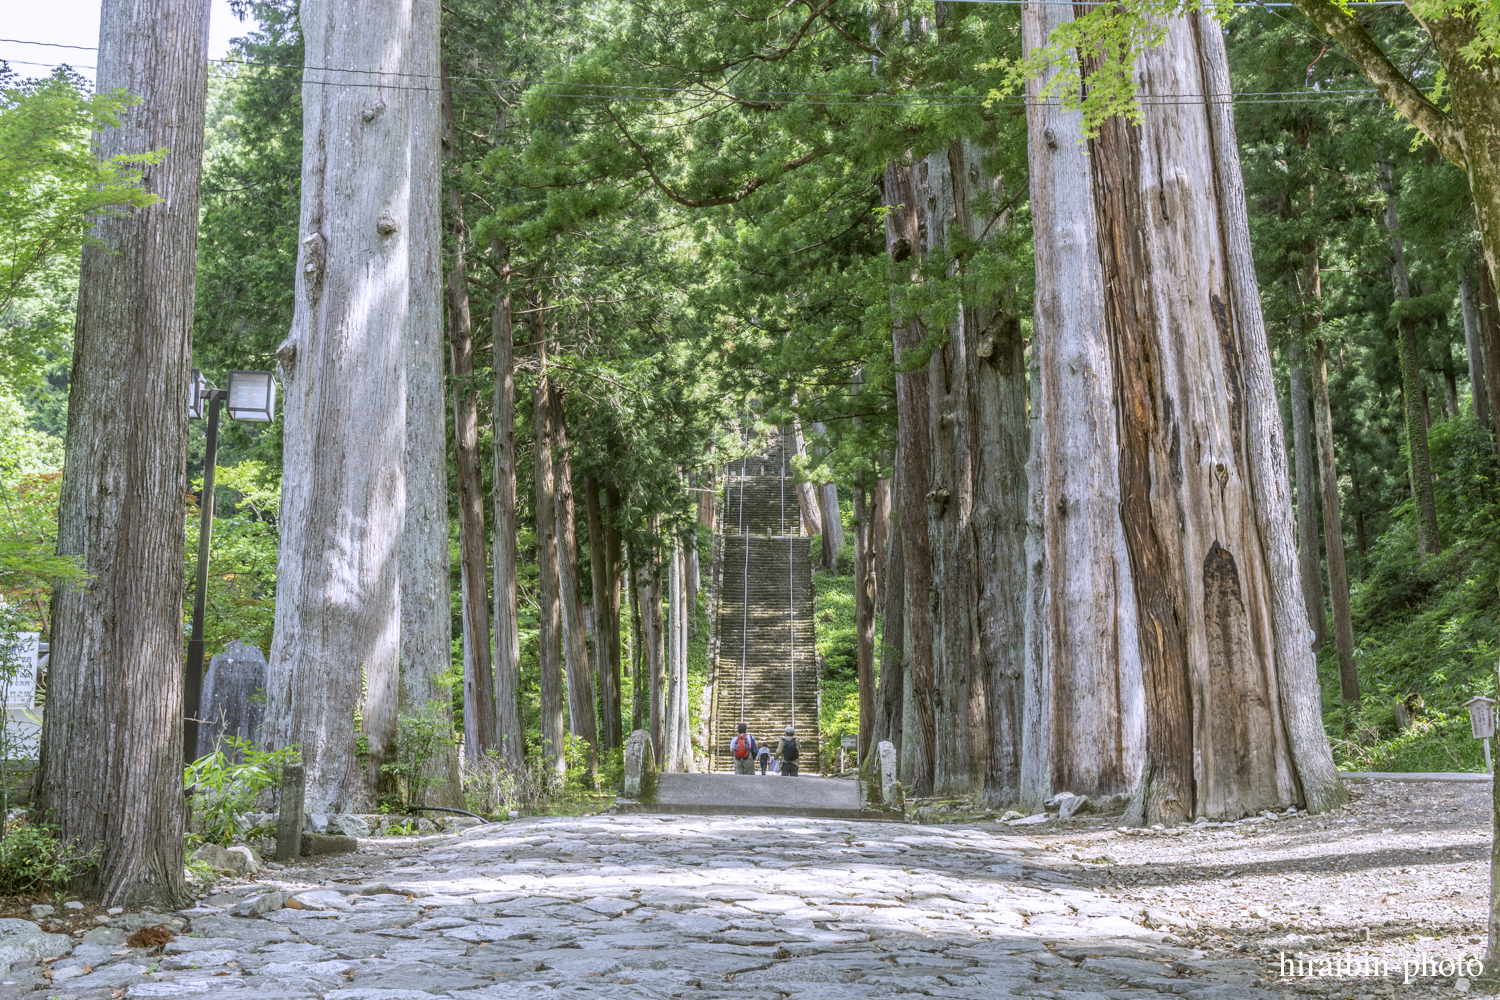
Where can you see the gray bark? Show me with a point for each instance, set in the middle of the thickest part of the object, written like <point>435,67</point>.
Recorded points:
<point>829,515</point>
<point>348,372</point>
<point>509,734</point>
<point>1417,418</point>
<point>888,716</point>
<point>864,619</point>
<point>110,774</point>
<point>807,501</point>
<point>1469,299</point>
<point>549,610</point>
<point>426,624</point>
<point>913,474</point>
<point>479,678</point>
<point>604,639</point>
<point>1084,714</point>
<point>1158,343</point>
<point>1308,564</point>
<point>678,734</point>
<point>581,719</point>
<point>880,534</point>
<point>1333,533</point>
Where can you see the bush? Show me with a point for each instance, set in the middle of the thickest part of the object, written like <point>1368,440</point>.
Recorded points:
<point>421,741</point>
<point>32,859</point>
<point>223,788</point>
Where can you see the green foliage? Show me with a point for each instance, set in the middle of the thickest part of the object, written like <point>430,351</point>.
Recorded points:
<point>52,189</point>
<point>225,785</point>
<point>1428,630</point>
<point>838,677</point>
<point>241,597</point>
<point>32,859</point>
<point>1089,62</point>
<point>421,740</point>
<point>1440,742</point>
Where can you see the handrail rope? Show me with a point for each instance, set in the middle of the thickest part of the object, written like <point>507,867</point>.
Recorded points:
<point>745,606</point>
<point>791,584</point>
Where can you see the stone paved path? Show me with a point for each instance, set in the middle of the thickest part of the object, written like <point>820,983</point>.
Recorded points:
<point>649,906</point>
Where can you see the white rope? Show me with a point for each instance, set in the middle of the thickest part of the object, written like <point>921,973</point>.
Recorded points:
<point>745,608</point>
<point>791,588</point>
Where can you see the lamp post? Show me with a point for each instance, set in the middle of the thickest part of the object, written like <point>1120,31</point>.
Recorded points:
<point>250,396</point>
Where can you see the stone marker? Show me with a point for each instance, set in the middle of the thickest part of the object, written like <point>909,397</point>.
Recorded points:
<point>322,843</point>
<point>233,696</point>
<point>640,768</point>
<point>289,813</point>
<point>890,789</point>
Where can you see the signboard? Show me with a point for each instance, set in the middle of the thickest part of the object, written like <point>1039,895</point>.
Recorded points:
<point>848,742</point>
<point>25,647</point>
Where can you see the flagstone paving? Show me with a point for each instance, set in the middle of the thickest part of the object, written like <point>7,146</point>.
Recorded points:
<point>636,905</point>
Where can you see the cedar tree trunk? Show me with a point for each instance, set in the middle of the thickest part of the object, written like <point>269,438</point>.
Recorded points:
<point>110,774</point>
<point>581,720</point>
<point>1157,419</point>
<point>349,367</point>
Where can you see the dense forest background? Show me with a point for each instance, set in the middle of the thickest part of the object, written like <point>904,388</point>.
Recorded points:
<point>628,175</point>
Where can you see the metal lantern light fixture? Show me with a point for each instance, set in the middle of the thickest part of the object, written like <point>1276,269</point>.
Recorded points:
<point>197,393</point>
<point>250,396</point>
<point>1482,723</point>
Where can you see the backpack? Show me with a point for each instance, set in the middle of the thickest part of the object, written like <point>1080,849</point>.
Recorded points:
<point>788,748</point>
<point>742,747</point>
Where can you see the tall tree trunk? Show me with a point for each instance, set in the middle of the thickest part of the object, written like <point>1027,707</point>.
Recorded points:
<point>349,370</point>
<point>1469,299</point>
<point>651,681</point>
<point>880,535</point>
<point>913,474</point>
<point>581,718</point>
<point>1359,510</point>
<point>1333,535</point>
<point>1489,343</point>
<point>549,609</point>
<point>426,657</point>
<point>864,620</point>
<point>829,515</point>
<point>888,718</point>
<point>639,711</point>
<point>479,680</point>
<point>807,501</point>
<point>111,766</point>
<point>510,733</point>
<point>1420,464</point>
<point>1450,380</point>
<point>609,728</point>
<point>1084,705</point>
<point>612,573</point>
<point>1308,564</point>
<point>678,734</point>
<point>1193,474</point>
<point>958,672</point>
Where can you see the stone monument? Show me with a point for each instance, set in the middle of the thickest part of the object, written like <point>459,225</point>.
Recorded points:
<point>234,696</point>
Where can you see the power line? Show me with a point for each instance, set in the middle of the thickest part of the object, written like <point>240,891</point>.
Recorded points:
<point>691,95</point>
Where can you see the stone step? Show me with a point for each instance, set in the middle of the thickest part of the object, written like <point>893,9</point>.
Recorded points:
<point>753,795</point>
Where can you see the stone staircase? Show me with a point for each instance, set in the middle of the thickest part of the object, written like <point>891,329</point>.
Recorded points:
<point>764,630</point>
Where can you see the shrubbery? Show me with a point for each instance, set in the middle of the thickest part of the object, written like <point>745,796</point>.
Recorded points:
<point>1427,631</point>
<point>32,859</point>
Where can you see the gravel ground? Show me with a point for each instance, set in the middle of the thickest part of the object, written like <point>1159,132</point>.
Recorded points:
<point>1401,871</point>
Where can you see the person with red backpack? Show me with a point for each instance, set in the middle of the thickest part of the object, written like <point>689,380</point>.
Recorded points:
<point>743,749</point>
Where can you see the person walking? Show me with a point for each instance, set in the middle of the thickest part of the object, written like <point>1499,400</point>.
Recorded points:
<point>765,759</point>
<point>787,753</point>
<point>743,749</point>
